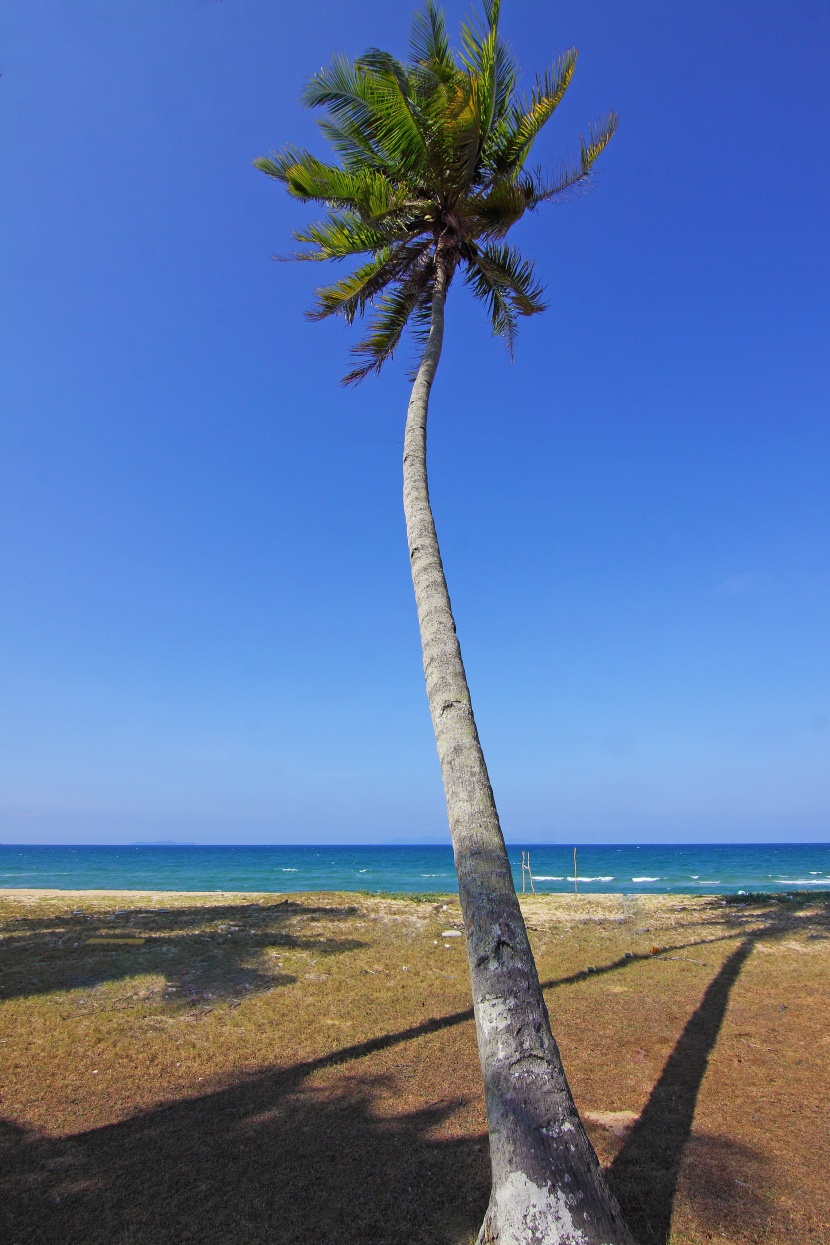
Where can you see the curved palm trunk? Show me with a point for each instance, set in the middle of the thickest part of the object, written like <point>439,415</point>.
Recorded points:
<point>547,1185</point>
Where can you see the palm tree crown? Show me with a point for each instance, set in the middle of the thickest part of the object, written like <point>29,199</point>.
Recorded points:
<point>431,176</point>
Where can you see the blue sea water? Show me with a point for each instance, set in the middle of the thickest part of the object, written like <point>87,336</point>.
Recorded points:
<point>705,869</point>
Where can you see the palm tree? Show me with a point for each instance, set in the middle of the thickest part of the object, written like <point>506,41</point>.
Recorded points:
<point>430,176</point>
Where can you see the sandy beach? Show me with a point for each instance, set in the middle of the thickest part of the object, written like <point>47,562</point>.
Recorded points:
<point>302,1069</point>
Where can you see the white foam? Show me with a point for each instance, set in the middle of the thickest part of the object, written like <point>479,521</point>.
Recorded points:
<point>578,879</point>
<point>548,877</point>
<point>803,881</point>
<point>645,879</point>
<point>290,870</point>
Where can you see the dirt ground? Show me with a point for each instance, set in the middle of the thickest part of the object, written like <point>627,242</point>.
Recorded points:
<point>301,1070</point>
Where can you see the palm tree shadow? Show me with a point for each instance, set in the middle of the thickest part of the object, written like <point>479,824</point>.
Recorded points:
<point>203,952</point>
<point>279,1159</point>
<point>291,1157</point>
<point>644,1175</point>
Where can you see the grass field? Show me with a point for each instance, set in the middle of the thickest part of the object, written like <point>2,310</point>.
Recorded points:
<point>241,1069</point>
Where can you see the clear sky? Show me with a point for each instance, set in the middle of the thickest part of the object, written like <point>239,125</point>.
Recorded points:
<point>207,624</point>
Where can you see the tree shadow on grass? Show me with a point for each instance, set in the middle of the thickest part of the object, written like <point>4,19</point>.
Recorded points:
<point>292,1158</point>
<point>645,1173</point>
<point>280,1158</point>
<point>284,1158</point>
<point>726,1189</point>
<point>203,952</point>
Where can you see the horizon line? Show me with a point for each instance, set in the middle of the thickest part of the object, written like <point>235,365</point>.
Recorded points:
<point>415,843</point>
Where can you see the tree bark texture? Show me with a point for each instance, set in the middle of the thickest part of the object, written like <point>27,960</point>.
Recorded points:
<point>547,1185</point>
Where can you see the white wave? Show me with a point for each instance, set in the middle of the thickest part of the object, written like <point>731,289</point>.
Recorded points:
<point>547,877</point>
<point>290,871</point>
<point>710,883</point>
<point>363,870</point>
<point>803,881</point>
<point>578,879</point>
<point>645,879</point>
<point>435,875</point>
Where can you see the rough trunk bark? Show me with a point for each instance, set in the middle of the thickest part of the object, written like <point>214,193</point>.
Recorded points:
<point>547,1186</point>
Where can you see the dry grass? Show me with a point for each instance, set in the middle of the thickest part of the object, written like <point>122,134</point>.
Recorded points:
<point>302,1071</point>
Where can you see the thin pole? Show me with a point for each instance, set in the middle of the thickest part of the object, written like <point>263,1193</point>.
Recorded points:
<point>576,889</point>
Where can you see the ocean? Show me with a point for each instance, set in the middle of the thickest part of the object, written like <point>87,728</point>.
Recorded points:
<point>688,869</point>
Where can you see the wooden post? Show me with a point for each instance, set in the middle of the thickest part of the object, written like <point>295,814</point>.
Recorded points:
<point>526,869</point>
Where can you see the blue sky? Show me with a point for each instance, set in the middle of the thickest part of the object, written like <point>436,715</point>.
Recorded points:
<point>207,627</point>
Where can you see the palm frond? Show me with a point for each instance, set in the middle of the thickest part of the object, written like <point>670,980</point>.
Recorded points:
<point>492,214</point>
<point>599,136</point>
<point>516,275</point>
<point>507,75</point>
<point>492,77</point>
<point>429,46</point>
<point>387,326</point>
<point>352,144</point>
<point>574,177</point>
<point>308,178</point>
<point>501,313</point>
<point>444,109</point>
<point>527,117</point>
<point>507,285</point>
<point>342,234</point>
<point>420,322</point>
<point>478,55</point>
<point>369,97</point>
<point>341,88</point>
<point>350,296</point>
<point>369,191</point>
<point>398,129</point>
